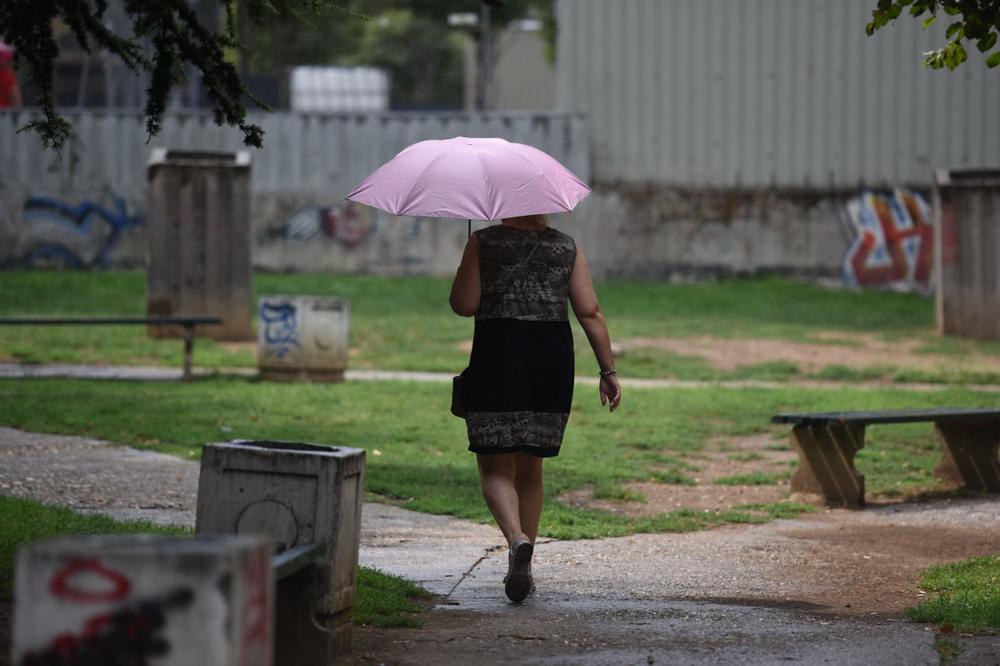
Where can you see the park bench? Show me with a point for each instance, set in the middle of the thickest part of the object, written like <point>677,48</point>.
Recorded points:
<point>827,442</point>
<point>188,323</point>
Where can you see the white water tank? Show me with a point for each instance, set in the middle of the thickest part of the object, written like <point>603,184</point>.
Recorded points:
<point>336,89</point>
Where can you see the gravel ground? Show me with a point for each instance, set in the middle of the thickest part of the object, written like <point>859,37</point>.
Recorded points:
<point>827,587</point>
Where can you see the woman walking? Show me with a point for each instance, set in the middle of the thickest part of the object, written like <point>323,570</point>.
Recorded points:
<point>515,278</point>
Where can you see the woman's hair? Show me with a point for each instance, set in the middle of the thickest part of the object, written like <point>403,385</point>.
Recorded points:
<point>539,219</point>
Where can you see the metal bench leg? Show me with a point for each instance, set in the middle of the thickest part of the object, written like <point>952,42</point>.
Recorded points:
<point>826,463</point>
<point>188,349</point>
<point>970,455</point>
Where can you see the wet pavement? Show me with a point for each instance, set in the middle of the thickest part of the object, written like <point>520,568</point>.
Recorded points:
<point>761,594</point>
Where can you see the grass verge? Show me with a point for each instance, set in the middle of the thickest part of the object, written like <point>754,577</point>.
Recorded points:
<point>382,600</point>
<point>387,601</point>
<point>406,324</point>
<point>417,451</point>
<point>963,596</point>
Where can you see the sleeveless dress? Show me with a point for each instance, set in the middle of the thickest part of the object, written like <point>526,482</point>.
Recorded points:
<point>519,383</point>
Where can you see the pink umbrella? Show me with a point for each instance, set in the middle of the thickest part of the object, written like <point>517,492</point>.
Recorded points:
<point>481,179</point>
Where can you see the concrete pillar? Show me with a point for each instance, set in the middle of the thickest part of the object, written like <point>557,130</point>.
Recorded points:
<point>295,494</point>
<point>303,337</point>
<point>127,599</point>
<point>198,212</point>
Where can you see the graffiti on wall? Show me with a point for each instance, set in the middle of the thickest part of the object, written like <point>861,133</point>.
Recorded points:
<point>348,225</point>
<point>55,233</point>
<point>893,240</point>
<point>129,633</point>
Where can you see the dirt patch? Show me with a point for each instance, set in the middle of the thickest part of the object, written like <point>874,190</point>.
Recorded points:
<point>722,458</point>
<point>661,498</point>
<point>863,569</point>
<point>850,350</point>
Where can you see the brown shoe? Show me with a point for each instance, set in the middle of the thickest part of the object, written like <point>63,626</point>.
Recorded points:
<point>518,583</point>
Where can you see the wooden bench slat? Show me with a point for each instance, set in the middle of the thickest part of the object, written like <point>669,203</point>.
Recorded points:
<point>65,321</point>
<point>942,415</point>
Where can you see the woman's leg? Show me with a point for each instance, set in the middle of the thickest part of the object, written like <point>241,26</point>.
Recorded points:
<point>497,473</point>
<point>528,484</point>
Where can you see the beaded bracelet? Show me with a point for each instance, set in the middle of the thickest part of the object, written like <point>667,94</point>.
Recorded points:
<point>608,373</point>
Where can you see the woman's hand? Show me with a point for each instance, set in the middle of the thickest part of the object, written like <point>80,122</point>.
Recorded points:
<point>611,391</point>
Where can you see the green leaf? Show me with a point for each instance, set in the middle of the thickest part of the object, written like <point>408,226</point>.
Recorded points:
<point>987,43</point>
<point>993,60</point>
<point>954,29</point>
<point>928,22</point>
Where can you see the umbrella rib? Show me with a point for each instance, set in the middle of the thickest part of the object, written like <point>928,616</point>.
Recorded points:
<point>486,180</point>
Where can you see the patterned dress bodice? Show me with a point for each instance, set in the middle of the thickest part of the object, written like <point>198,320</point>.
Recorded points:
<point>535,290</point>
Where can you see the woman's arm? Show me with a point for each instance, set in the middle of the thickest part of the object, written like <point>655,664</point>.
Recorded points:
<point>465,290</point>
<point>588,312</point>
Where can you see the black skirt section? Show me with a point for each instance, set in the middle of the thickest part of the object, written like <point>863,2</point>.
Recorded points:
<point>519,386</point>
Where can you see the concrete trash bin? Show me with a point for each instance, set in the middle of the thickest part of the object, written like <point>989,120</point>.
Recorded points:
<point>303,337</point>
<point>136,599</point>
<point>199,241</point>
<point>296,494</point>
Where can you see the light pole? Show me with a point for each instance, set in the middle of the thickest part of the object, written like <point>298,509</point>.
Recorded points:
<point>484,49</point>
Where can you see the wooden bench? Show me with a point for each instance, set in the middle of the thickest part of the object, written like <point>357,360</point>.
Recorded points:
<point>827,443</point>
<point>187,322</point>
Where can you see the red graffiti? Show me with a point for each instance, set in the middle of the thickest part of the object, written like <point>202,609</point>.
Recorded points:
<point>62,586</point>
<point>895,240</point>
<point>257,619</point>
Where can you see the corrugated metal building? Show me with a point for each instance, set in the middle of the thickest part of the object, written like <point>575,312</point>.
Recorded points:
<point>768,93</point>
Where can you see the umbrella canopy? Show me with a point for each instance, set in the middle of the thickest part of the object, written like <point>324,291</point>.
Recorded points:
<point>481,179</point>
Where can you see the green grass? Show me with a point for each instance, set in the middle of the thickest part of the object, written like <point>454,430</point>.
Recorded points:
<point>748,456</point>
<point>386,601</point>
<point>382,600</point>
<point>752,479</point>
<point>25,521</point>
<point>842,373</point>
<point>964,595</point>
<point>656,435</point>
<point>406,324</point>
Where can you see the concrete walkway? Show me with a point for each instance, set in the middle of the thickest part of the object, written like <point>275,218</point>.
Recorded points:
<point>826,588</point>
<point>162,373</point>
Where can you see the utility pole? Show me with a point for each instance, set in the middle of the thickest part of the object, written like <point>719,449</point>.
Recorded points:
<point>485,56</point>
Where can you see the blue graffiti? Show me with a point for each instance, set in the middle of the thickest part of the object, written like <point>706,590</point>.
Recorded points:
<point>81,236</point>
<point>280,328</point>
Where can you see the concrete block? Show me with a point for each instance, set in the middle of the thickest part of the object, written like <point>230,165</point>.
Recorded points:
<point>303,337</point>
<point>295,494</point>
<point>131,599</point>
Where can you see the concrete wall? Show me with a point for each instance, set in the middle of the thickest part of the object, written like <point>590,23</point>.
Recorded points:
<point>88,205</point>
